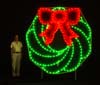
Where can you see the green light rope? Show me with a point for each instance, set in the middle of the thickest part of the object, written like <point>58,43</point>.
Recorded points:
<point>67,59</point>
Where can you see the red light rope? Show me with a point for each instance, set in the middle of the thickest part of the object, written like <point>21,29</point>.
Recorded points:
<point>59,19</point>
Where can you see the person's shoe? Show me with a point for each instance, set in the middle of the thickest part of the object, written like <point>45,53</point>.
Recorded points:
<point>18,74</point>
<point>14,74</point>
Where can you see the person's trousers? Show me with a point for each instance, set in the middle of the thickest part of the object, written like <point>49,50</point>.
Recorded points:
<point>16,63</point>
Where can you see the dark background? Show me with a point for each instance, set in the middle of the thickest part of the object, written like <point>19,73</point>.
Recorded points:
<point>18,16</point>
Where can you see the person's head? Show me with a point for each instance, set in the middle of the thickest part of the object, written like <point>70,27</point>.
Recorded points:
<point>16,37</point>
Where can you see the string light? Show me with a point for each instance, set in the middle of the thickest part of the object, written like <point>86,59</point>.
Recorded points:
<point>59,19</point>
<point>64,60</point>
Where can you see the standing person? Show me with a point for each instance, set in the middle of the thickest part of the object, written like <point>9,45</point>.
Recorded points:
<point>16,55</point>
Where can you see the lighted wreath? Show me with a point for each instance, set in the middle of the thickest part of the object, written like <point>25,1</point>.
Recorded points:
<point>76,33</point>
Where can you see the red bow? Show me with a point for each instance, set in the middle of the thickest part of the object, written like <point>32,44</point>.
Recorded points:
<point>59,19</point>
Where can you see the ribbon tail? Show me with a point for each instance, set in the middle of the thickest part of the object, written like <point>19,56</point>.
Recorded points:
<point>48,34</point>
<point>68,34</point>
